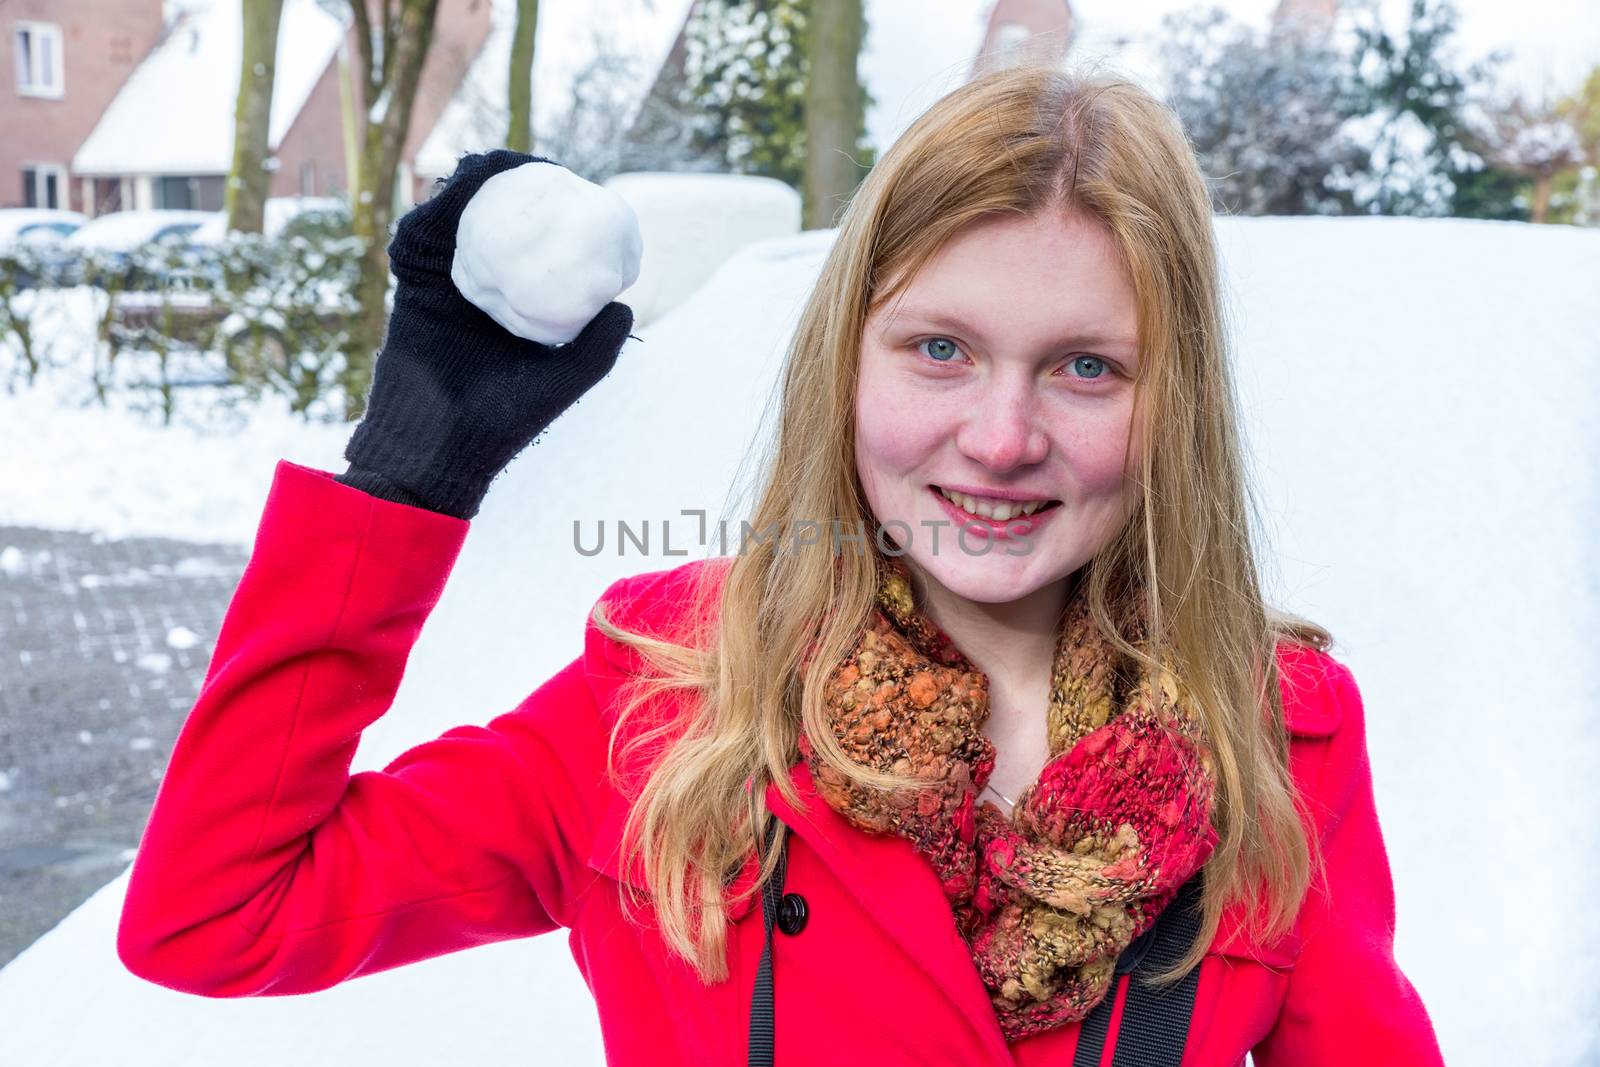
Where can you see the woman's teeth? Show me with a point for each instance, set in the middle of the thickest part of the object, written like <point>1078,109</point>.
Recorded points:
<point>997,510</point>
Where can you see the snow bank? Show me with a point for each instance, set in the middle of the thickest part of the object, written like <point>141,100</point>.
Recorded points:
<point>1419,405</point>
<point>692,224</point>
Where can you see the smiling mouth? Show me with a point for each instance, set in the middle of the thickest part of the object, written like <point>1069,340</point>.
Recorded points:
<point>995,510</point>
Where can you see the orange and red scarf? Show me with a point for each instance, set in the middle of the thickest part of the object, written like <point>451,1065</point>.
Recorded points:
<point>1117,820</point>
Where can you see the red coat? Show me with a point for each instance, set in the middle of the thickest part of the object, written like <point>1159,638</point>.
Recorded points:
<point>268,869</point>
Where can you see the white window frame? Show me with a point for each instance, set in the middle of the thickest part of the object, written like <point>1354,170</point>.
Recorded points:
<point>41,36</point>
<point>63,193</point>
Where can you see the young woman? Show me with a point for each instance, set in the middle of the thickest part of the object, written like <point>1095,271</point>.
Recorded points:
<point>1031,719</point>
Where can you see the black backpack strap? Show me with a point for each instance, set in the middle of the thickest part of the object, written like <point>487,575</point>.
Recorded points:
<point>1155,1022</point>
<point>761,1000</point>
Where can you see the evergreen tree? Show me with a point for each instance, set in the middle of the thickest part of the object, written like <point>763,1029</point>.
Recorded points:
<point>745,79</point>
<point>1418,97</point>
<point>1264,112</point>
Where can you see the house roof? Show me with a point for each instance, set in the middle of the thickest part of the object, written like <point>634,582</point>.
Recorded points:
<point>1120,38</point>
<point>567,37</point>
<point>175,113</point>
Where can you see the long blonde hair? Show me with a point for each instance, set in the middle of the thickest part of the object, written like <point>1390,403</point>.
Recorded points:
<point>1018,142</point>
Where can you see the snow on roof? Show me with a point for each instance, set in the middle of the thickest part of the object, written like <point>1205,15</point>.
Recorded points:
<point>175,113</point>
<point>566,38</point>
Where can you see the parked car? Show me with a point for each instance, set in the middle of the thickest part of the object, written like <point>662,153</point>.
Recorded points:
<point>37,225</point>
<point>29,235</point>
<point>123,231</point>
<point>116,240</point>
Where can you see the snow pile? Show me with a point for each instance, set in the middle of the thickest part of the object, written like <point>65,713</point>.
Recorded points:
<point>542,250</point>
<point>692,224</point>
<point>74,465</point>
<point>1425,493</point>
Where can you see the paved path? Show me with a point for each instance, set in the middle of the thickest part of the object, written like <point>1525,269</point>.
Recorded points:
<point>103,645</point>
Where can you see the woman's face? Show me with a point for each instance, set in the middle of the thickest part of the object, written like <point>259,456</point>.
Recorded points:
<point>1003,375</point>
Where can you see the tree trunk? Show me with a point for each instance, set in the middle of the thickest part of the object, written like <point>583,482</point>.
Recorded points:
<point>245,199</point>
<point>392,54</point>
<point>519,137</point>
<point>833,43</point>
<point>1542,184</point>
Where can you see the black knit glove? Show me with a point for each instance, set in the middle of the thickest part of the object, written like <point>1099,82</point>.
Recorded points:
<point>455,396</point>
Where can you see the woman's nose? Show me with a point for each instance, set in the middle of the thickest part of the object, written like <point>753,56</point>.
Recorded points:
<point>1003,429</point>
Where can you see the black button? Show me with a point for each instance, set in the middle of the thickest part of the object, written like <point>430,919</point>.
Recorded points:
<point>792,913</point>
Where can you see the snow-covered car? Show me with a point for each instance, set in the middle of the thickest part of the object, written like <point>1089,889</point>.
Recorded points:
<point>124,231</point>
<point>37,225</point>
<point>29,240</point>
<point>118,242</point>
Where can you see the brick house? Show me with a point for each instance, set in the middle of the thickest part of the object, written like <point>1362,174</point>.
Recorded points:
<point>1024,32</point>
<point>118,107</point>
<point>63,63</point>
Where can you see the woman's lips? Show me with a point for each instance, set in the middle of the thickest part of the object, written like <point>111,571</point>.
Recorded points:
<point>1008,530</point>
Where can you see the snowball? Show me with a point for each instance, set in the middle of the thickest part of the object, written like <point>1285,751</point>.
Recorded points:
<point>542,250</point>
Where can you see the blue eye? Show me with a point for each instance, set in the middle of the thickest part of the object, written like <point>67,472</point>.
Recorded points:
<point>1096,360</point>
<point>937,340</point>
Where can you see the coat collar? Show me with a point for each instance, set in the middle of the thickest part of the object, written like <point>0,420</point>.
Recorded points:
<point>885,874</point>
<point>896,886</point>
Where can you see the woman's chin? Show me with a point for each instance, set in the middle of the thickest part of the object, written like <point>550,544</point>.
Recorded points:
<point>992,578</point>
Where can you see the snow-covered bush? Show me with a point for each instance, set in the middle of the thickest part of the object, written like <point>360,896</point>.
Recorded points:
<point>1266,113</point>
<point>285,310</point>
<point>25,267</point>
<point>216,323</point>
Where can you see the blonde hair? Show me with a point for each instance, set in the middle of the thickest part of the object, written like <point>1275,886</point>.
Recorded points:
<point>1019,141</point>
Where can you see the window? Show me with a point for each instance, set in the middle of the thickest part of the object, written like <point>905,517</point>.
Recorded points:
<point>175,232</point>
<point>44,231</point>
<point>44,185</point>
<point>308,179</point>
<point>39,67</point>
<point>174,193</point>
<point>190,192</point>
<point>107,196</point>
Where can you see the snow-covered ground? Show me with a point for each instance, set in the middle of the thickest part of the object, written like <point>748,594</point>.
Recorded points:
<point>1419,404</point>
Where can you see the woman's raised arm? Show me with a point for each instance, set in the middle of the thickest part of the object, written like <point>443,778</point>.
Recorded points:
<point>267,868</point>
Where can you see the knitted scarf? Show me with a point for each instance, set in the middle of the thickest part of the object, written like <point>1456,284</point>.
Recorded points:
<point>1117,821</point>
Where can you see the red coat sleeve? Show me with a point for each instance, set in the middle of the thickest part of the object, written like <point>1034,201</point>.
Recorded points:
<point>1348,1001</point>
<point>266,868</point>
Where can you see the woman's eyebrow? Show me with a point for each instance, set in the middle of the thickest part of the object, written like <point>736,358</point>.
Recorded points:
<point>947,320</point>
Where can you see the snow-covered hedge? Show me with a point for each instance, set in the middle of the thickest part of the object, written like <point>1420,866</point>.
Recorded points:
<point>217,323</point>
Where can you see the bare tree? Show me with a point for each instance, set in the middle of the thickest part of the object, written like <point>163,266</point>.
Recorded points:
<point>833,92</point>
<point>1537,139</point>
<point>519,135</point>
<point>391,52</point>
<point>250,178</point>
